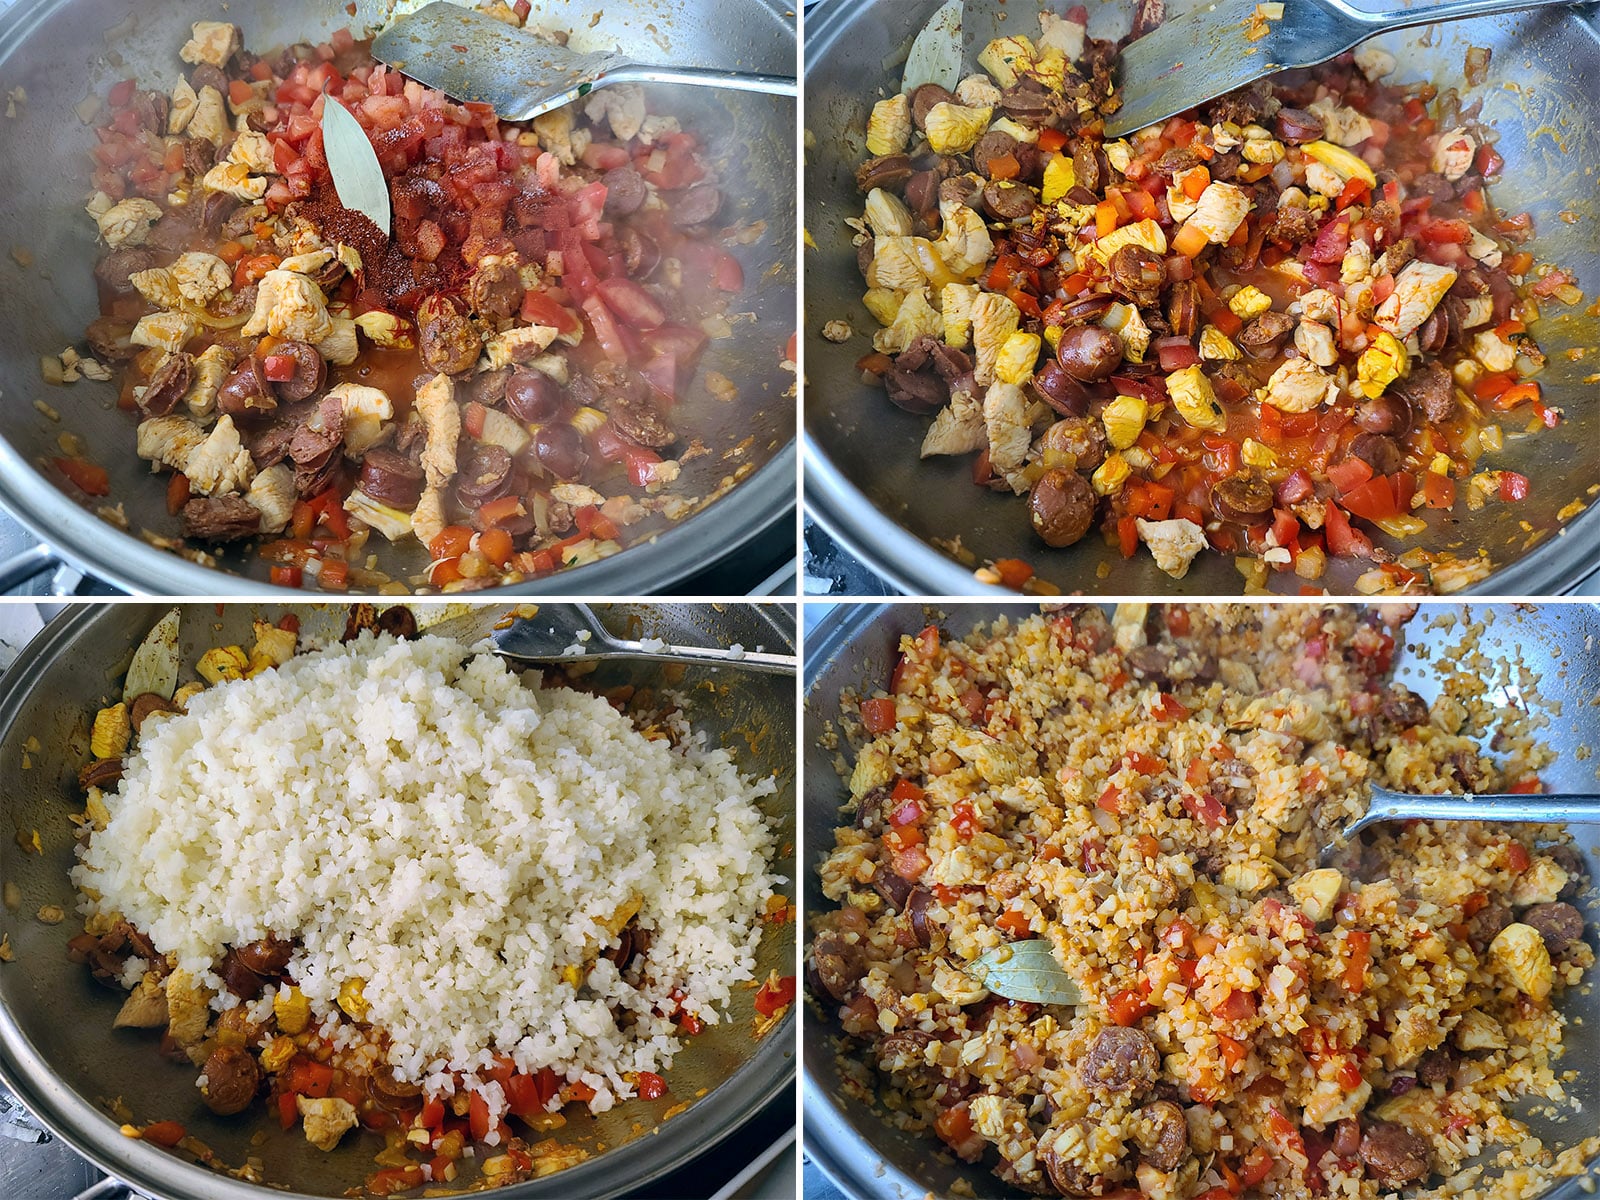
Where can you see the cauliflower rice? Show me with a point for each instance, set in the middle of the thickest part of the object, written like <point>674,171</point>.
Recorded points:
<point>418,819</point>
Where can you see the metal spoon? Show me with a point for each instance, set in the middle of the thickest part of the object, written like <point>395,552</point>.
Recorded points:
<point>549,635</point>
<point>1561,808</point>
<point>469,55</point>
<point>1183,63</point>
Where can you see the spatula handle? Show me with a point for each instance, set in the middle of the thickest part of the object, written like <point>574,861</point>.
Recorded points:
<point>1564,808</point>
<point>1450,10</point>
<point>737,81</point>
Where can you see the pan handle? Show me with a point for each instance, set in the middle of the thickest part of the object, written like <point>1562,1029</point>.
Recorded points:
<point>19,568</point>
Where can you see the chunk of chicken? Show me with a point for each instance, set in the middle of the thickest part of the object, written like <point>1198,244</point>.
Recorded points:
<point>889,125</point>
<point>1452,153</point>
<point>554,130</point>
<point>994,319</point>
<point>200,276</point>
<point>436,402</point>
<point>1299,386</point>
<point>964,242</point>
<point>291,306</point>
<point>181,111</point>
<point>914,318</point>
<point>1174,543</point>
<point>1357,262</point>
<point>252,151</point>
<point>427,519</point>
<point>1417,292</point>
<point>168,440</point>
<point>978,91</point>
<point>326,1120</point>
<point>366,411</point>
<point>1315,340</point>
<point>1493,351</point>
<point>213,42</point>
<point>210,117</point>
<point>1222,208</point>
<point>127,222</point>
<point>209,372</point>
<point>1342,125</point>
<point>955,312</point>
<point>159,286</point>
<point>235,180</point>
<point>168,331</point>
<point>518,345</point>
<point>188,1013</point>
<point>145,1007</point>
<point>272,494</point>
<point>340,347</point>
<point>1005,418</point>
<point>220,465</point>
<point>958,428</point>
<point>1519,951</point>
<point>622,106</point>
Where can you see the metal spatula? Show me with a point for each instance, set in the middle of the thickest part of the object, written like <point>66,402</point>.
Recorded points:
<point>568,632</point>
<point>1207,53</point>
<point>1557,808</point>
<point>469,55</point>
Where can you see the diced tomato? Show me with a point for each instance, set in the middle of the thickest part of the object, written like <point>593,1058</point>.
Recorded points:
<point>1169,708</point>
<point>306,1077</point>
<point>878,715</point>
<point>1438,491</point>
<point>334,575</point>
<point>288,1110</point>
<point>1517,857</point>
<point>770,1000</point>
<point>163,1133</point>
<point>1128,1007</point>
<point>291,577</point>
<point>432,1115</point>
<point>964,820</point>
<point>121,92</point>
<point>1343,540</point>
<point>1144,763</point>
<point>1374,500</point>
<point>1513,487</point>
<point>956,1130</point>
<point>1110,800</point>
<point>1051,140</point>
<point>1527,787</point>
<point>1013,572</point>
<point>1350,473</point>
<point>1238,1006</point>
<point>1358,943</point>
<point>1176,353</point>
<point>279,368</point>
<point>1234,1051</point>
<point>1128,536</point>
<point>650,1086</point>
<point>1205,808</point>
<point>1013,922</point>
<point>89,479</point>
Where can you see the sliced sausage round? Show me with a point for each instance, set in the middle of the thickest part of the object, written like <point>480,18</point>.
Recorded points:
<point>995,144</point>
<point>1163,1135</point>
<point>1137,274</point>
<point>838,964</point>
<point>1379,451</point>
<point>1242,497</point>
<point>625,191</point>
<point>1061,391</point>
<point>887,171</point>
<point>495,290</point>
<point>232,1079</point>
<point>696,205</point>
<point>109,338</point>
<point>560,449</point>
<point>638,420</point>
<point>310,371</point>
<point>265,956</point>
<point>923,101</point>
<point>922,192</point>
<point>1393,1154</point>
<point>398,621</point>
<point>447,340</point>
<point>1384,414</point>
<point>1120,1059</point>
<point>533,397</point>
<point>1296,125</point>
<point>1262,337</point>
<point>1061,507</point>
<point>247,391</point>
<point>1183,308</point>
<point>1089,352</point>
<point>1068,1177</point>
<point>1006,201</point>
<point>1559,924</point>
<point>168,385</point>
<point>391,478</point>
<point>116,269</point>
<point>640,254</point>
<point>485,476</point>
<point>145,705</point>
<point>1089,168</point>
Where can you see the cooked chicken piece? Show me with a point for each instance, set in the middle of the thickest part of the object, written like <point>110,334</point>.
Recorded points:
<point>1452,153</point>
<point>914,318</point>
<point>340,347</point>
<point>555,134</point>
<point>1249,302</point>
<point>1195,399</point>
<point>887,215</point>
<point>1315,340</point>
<point>518,345</point>
<point>958,428</point>
<point>894,265</point>
<point>437,404</point>
<point>955,128</point>
<point>235,180</point>
<point>127,222</point>
<point>1299,386</point>
<point>210,119</point>
<point>168,440</point>
<point>1342,125</point>
<point>272,494</point>
<point>1319,304</point>
<point>1005,418</point>
<point>977,91</point>
<point>145,1007</point>
<point>159,286</point>
<point>577,494</point>
<point>1520,953</point>
<point>1215,346</point>
<point>108,737</point>
<point>1417,292</point>
<point>1144,233</point>
<point>994,319</point>
<point>326,1120</point>
<point>1375,62</point>
<point>1331,1102</point>
<point>955,312</point>
<point>1357,262</point>
<point>1479,1031</point>
<point>213,42</point>
<point>208,372</point>
<point>1221,210</point>
<point>1323,179</point>
<point>308,262</point>
<point>181,111</point>
<point>387,330</point>
<point>1174,543</point>
<point>964,242</point>
<point>252,151</point>
<point>366,412</point>
<point>189,1012</point>
<point>220,464</point>
<point>427,519</point>
<point>200,276</point>
<point>1493,351</point>
<point>393,523</point>
<point>290,306</point>
<point>889,125</point>
<point>169,331</point>
<point>622,106</point>
<point>1316,892</point>
<point>1484,248</point>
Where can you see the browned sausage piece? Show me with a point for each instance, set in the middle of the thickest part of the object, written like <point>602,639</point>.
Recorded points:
<point>637,419</point>
<point>310,371</point>
<point>495,290</point>
<point>219,519</point>
<point>1150,662</point>
<point>887,171</point>
<point>265,956</point>
<point>1061,391</point>
<point>533,397</point>
<point>1393,1154</point>
<point>695,206</point>
<point>485,476</point>
<point>1296,125</point>
<point>109,338</point>
<point>1061,507</point>
<point>398,621</point>
<point>1068,1176</point>
<point>1384,414</point>
<point>1570,859</point>
<point>1089,168</point>
<point>1403,707</point>
<point>1030,102</point>
<point>960,189</point>
<point>1379,451</point>
<point>640,254</point>
<point>1089,352</point>
<point>1347,1138</point>
<point>625,191</point>
<point>145,704</point>
<point>115,269</point>
<point>1137,274</point>
<point>922,192</point>
<point>102,773</point>
<point>923,101</point>
<point>1432,389</point>
<point>838,964</point>
<point>908,1047</point>
<point>894,889</point>
<point>232,1079</point>
<point>917,914</point>
<point>208,75</point>
<point>559,448</point>
<point>1082,437</point>
<point>992,145</point>
<point>1006,201</point>
<point>238,978</point>
<point>448,342</point>
<point>218,208</point>
<point>1120,1059</point>
<point>1262,337</point>
<point>1242,497</point>
<point>1559,924</point>
<point>167,385</point>
<point>247,390</point>
<point>391,478</point>
<point>391,1093</point>
<point>1183,309</point>
<point>1162,1133</point>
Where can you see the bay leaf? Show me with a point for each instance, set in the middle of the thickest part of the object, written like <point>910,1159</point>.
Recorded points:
<point>357,177</point>
<point>1026,971</point>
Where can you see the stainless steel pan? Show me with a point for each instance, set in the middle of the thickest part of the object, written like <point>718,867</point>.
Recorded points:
<point>60,51</point>
<point>854,647</point>
<point>864,481</point>
<point>60,1055</point>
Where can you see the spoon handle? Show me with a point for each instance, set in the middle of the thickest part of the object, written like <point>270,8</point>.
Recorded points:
<point>1562,808</point>
<point>737,81</point>
<point>1451,10</point>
